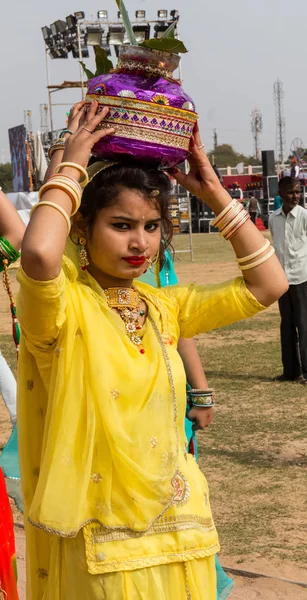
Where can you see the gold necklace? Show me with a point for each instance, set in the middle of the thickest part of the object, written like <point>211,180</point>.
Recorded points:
<point>126,302</point>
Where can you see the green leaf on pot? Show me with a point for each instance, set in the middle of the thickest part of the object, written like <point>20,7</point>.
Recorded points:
<point>170,32</point>
<point>166,45</point>
<point>127,22</point>
<point>87,72</point>
<point>103,64</point>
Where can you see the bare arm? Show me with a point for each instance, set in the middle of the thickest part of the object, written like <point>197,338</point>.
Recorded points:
<point>11,225</point>
<point>74,121</point>
<point>267,282</point>
<point>45,237</point>
<point>197,379</point>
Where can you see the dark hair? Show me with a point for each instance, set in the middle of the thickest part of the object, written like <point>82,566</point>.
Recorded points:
<point>286,182</point>
<point>102,191</point>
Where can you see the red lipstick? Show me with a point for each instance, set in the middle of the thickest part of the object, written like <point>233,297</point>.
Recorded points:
<point>136,261</point>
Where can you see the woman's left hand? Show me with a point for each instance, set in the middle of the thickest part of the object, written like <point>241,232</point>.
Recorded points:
<point>201,417</point>
<point>201,180</point>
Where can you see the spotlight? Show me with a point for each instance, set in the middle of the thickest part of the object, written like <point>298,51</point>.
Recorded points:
<point>84,51</point>
<point>141,32</point>
<point>58,27</point>
<point>140,14</point>
<point>58,52</point>
<point>79,15</point>
<point>116,35</point>
<point>71,21</point>
<point>119,15</point>
<point>102,14</point>
<point>94,36</point>
<point>175,14</point>
<point>162,14</point>
<point>46,31</point>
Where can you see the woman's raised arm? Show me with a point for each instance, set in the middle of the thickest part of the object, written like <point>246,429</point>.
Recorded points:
<point>44,241</point>
<point>267,280</point>
<point>11,225</point>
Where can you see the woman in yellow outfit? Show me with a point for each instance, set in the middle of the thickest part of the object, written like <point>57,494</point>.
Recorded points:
<point>114,507</point>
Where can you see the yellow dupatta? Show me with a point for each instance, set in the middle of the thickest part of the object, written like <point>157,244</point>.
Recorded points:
<point>114,418</point>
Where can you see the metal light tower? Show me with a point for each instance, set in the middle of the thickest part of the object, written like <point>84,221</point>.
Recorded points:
<point>256,127</point>
<point>280,120</point>
<point>43,109</point>
<point>215,140</point>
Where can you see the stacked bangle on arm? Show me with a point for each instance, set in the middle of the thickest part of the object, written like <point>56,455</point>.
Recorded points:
<point>7,252</point>
<point>68,185</point>
<point>201,398</point>
<point>231,219</point>
<point>255,263</point>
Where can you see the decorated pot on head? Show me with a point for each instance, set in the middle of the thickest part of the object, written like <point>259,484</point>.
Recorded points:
<point>152,116</point>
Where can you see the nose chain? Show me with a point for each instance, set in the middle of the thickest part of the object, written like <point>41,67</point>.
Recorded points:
<point>126,301</point>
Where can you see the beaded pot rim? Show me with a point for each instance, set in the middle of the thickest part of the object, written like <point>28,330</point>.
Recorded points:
<point>149,106</point>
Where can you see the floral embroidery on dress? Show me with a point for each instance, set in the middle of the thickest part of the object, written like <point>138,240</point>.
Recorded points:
<point>42,573</point>
<point>96,477</point>
<point>181,487</point>
<point>115,394</point>
<point>79,332</point>
<point>30,384</point>
<point>153,442</point>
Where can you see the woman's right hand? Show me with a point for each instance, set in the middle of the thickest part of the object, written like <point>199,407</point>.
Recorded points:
<point>79,145</point>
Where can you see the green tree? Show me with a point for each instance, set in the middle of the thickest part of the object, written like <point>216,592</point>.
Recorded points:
<point>226,156</point>
<point>6,177</point>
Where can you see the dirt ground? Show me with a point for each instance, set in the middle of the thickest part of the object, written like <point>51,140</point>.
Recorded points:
<point>246,588</point>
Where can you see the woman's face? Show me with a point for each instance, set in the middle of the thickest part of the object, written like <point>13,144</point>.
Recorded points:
<point>123,236</point>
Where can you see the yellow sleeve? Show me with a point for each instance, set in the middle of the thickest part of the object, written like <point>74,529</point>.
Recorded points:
<point>41,309</point>
<point>201,308</point>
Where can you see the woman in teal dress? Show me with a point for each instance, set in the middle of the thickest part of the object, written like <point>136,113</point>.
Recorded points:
<point>195,374</point>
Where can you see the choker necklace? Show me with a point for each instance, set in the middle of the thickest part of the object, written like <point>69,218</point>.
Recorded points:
<point>126,302</point>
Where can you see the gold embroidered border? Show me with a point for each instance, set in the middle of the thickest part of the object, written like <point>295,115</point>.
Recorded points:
<point>165,525</point>
<point>141,563</point>
<point>176,124</point>
<point>148,135</point>
<point>152,107</point>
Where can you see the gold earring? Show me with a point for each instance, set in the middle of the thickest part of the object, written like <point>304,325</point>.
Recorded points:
<point>83,254</point>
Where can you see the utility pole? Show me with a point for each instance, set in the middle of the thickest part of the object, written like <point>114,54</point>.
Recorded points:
<point>256,127</point>
<point>280,120</point>
<point>215,140</point>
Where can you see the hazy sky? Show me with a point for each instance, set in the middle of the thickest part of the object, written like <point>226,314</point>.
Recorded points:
<point>237,49</point>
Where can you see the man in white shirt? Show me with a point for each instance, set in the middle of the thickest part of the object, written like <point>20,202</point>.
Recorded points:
<point>288,226</point>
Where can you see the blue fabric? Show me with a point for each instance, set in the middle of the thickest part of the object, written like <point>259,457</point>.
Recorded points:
<point>10,467</point>
<point>277,202</point>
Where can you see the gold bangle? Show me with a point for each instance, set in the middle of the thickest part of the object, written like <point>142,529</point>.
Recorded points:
<point>231,233</point>
<point>68,185</point>
<point>255,254</point>
<point>226,222</point>
<point>73,195</point>
<point>258,262</point>
<point>53,205</point>
<point>224,211</point>
<point>55,147</point>
<point>81,170</point>
<point>231,213</point>
<point>236,219</point>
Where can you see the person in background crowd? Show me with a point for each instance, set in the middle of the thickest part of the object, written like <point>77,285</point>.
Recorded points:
<point>277,202</point>
<point>252,206</point>
<point>294,168</point>
<point>288,226</point>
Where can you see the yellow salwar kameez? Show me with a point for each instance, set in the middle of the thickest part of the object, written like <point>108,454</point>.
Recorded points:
<point>115,508</point>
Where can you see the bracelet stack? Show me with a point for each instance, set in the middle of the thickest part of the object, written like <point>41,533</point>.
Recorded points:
<point>231,219</point>
<point>255,263</point>
<point>201,398</point>
<point>68,185</point>
<point>59,144</point>
<point>7,252</point>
